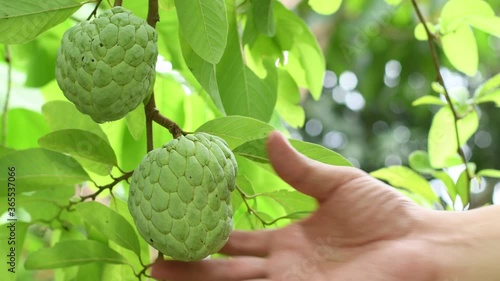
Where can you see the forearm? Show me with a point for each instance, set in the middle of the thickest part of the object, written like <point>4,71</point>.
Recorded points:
<point>466,244</point>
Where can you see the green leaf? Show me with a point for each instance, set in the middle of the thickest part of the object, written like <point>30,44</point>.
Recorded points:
<point>81,144</point>
<point>135,122</point>
<point>70,253</point>
<point>428,100</point>
<point>73,119</point>
<point>320,153</point>
<point>255,150</point>
<point>325,7</point>
<point>39,168</point>
<point>488,86</point>
<point>456,12</point>
<point>420,33</point>
<point>448,182</point>
<point>490,25</point>
<point>45,204</point>
<point>419,161</point>
<point>403,177</point>
<point>438,88</point>
<point>292,201</point>
<point>204,24</point>
<point>6,237</point>
<point>492,173</point>
<point>121,207</point>
<point>204,72</point>
<point>242,92</point>
<point>5,150</point>
<point>460,48</point>
<point>111,224</point>
<point>462,187</point>
<point>263,15</point>
<point>306,62</point>
<point>442,140</point>
<point>491,97</point>
<point>236,130</point>
<point>24,127</point>
<point>288,101</point>
<point>23,20</point>
<point>90,272</point>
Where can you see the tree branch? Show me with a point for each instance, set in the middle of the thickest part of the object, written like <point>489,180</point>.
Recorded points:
<point>153,15</point>
<point>440,80</point>
<point>150,108</point>
<point>108,186</point>
<point>94,12</point>
<point>7,95</point>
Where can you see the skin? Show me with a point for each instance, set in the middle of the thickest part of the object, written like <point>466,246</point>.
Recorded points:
<point>362,230</point>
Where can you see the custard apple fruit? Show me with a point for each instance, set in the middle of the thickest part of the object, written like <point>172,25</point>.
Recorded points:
<point>106,66</point>
<point>180,196</point>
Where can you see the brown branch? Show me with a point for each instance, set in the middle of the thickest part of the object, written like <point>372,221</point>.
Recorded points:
<point>440,80</point>
<point>94,12</point>
<point>150,108</point>
<point>153,16</point>
<point>171,126</point>
<point>108,186</point>
<point>7,95</point>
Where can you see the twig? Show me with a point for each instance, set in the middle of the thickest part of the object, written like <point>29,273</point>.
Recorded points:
<point>143,270</point>
<point>7,95</point>
<point>118,3</point>
<point>108,186</point>
<point>94,12</point>
<point>172,127</point>
<point>440,80</point>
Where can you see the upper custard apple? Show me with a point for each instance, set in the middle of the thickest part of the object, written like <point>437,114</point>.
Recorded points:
<point>106,66</point>
<point>180,196</point>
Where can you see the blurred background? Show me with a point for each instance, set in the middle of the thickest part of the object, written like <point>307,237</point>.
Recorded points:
<point>375,70</point>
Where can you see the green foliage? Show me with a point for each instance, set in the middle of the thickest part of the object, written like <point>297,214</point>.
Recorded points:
<point>38,15</point>
<point>236,70</point>
<point>110,224</point>
<point>458,41</point>
<point>40,168</point>
<point>72,252</point>
<point>205,27</point>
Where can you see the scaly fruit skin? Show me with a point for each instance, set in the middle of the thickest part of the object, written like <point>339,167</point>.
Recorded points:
<point>106,66</point>
<point>180,196</point>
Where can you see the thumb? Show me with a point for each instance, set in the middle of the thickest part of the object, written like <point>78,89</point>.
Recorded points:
<point>308,176</point>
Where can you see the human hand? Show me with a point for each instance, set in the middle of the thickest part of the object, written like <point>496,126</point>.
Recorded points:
<point>362,230</point>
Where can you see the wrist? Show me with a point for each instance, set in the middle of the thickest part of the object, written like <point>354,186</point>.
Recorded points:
<point>465,246</point>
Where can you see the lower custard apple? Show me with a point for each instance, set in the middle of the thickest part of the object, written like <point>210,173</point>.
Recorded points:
<point>106,66</point>
<point>180,196</point>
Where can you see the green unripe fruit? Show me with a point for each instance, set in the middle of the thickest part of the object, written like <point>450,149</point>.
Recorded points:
<point>180,196</point>
<point>106,66</point>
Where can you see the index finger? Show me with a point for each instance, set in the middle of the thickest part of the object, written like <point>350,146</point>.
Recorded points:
<point>308,176</point>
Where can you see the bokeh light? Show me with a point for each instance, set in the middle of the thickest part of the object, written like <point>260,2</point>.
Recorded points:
<point>354,101</point>
<point>348,80</point>
<point>330,79</point>
<point>314,127</point>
